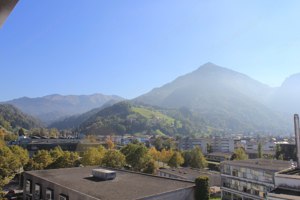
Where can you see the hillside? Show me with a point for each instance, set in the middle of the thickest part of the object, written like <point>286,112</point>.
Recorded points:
<point>221,98</point>
<point>125,117</point>
<point>75,120</point>
<point>54,107</point>
<point>11,117</point>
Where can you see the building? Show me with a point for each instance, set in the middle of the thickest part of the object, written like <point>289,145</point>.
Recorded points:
<point>287,184</point>
<point>190,174</point>
<point>224,145</point>
<point>249,179</point>
<point>79,184</point>
<point>190,143</point>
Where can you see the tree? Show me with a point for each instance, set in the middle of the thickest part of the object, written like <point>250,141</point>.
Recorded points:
<point>259,151</point>
<point>239,154</point>
<point>158,143</point>
<point>278,152</point>
<point>68,159</point>
<point>56,153</point>
<point>53,133</point>
<point>187,156</point>
<point>21,132</point>
<point>113,158</point>
<point>176,160</point>
<point>209,148</point>
<point>150,167</point>
<point>9,165</point>
<point>41,160</point>
<point>136,155</point>
<point>166,155</point>
<point>21,154</point>
<point>197,158</point>
<point>154,153</point>
<point>202,188</point>
<point>93,156</point>
<point>110,144</point>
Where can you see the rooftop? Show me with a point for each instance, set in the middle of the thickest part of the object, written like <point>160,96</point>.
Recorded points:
<point>126,185</point>
<point>220,154</point>
<point>295,172</point>
<point>285,194</point>
<point>187,173</point>
<point>264,164</point>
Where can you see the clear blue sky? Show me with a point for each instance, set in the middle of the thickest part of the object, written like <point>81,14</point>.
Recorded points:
<point>129,47</point>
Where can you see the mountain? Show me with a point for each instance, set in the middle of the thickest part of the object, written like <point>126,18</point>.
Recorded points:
<point>75,120</point>
<point>129,118</point>
<point>286,98</point>
<point>54,107</point>
<point>222,98</point>
<point>11,117</point>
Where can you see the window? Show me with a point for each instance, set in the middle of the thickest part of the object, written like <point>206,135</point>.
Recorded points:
<point>28,187</point>
<point>37,192</point>
<point>63,197</point>
<point>49,194</point>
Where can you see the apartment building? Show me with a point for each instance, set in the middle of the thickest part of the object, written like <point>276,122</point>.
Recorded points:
<point>249,179</point>
<point>190,143</point>
<point>224,145</point>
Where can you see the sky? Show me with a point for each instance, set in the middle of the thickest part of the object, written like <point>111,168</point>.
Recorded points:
<point>127,48</point>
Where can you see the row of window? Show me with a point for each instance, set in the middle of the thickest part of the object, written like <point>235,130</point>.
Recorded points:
<point>250,188</point>
<point>36,192</point>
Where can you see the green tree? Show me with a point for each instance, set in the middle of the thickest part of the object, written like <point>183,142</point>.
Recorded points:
<point>187,156</point>
<point>68,159</point>
<point>113,158</point>
<point>9,165</point>
<point>21,132</point>
<point>176,160</point>
<point>278,152</point>
<point>239,154</point>
<point>209,148</point>
<point>20,154</point>
<point>41,160</point>
<point>56,153</point>
<point>93,156</point>
<point>259,151</point>
<point>136,155</point>
<point>197,158</point>
<point>202,188</point>
<point>158,143</point>
<point>151,167</point>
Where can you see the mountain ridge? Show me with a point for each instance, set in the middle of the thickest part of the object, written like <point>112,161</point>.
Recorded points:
<point>53,107</point>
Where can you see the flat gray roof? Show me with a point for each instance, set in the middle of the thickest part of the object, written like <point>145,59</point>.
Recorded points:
<point>264,164</point>
<point>126,185</point>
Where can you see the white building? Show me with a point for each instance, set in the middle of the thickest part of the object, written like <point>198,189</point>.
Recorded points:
<point>249,179</point>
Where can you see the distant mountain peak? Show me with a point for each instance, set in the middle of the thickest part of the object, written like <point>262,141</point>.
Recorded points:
<point>293,80</point>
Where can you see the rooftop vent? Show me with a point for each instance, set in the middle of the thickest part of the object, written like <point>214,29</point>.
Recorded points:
<point>103,174</point>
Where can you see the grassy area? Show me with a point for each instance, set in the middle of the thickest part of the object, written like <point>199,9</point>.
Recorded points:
<point>215,198</point>
<point>151,114</point>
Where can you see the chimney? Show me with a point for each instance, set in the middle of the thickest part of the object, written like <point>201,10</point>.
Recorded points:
<point>297,138</point>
